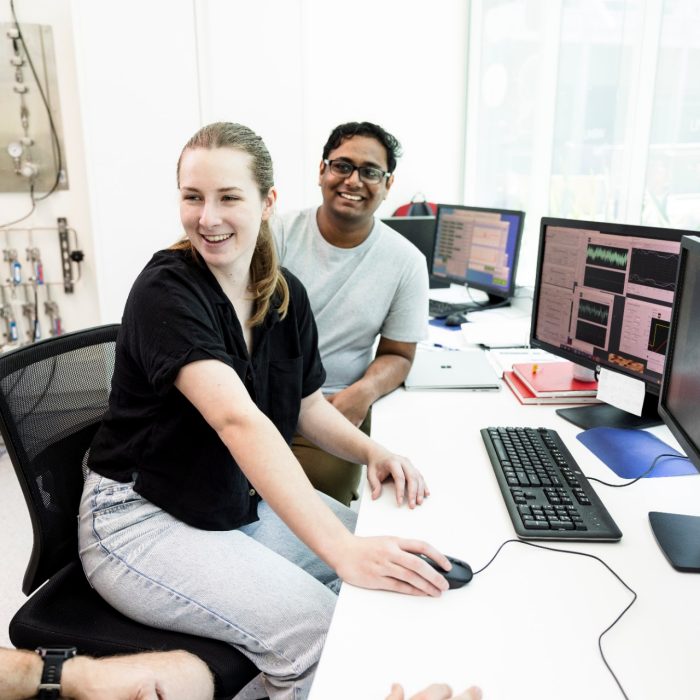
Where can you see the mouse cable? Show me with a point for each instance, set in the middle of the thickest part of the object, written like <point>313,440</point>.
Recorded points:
<point>590,556</point>
<point>641,476</point>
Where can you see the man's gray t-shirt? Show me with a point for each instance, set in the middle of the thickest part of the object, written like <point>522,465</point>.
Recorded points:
<point>379,287</point>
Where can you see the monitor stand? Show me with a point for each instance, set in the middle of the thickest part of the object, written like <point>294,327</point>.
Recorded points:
<point>607,416</point>
<point>438,283</point>
<point>493,302</point>
<point>679,539</point>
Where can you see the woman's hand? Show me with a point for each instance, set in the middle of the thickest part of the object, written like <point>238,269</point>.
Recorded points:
<point>436,691</point>
<point>408,480</point>
<point>391,564</point>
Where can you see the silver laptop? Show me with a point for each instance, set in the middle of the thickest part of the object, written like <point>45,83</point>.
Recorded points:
<point>452,369</point>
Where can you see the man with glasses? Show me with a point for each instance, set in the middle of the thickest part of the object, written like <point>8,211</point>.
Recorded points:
<point>364,281</point>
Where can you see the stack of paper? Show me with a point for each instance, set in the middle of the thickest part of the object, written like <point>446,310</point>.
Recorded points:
<point>503,359</point>
<point>550,382</point>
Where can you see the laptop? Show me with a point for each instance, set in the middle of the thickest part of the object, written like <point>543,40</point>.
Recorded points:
<point>452,369</point>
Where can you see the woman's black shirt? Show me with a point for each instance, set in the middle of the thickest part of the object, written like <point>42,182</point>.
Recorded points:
<point>177,313</point>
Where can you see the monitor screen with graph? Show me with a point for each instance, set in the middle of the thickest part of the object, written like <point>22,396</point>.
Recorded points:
<point>604,294</point>
<point>478,247</point>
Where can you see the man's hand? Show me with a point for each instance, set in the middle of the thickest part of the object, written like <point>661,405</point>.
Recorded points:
<point>386,372</point>
<point>437,691</point>
<point>173,675</point>
<point>353,402</point>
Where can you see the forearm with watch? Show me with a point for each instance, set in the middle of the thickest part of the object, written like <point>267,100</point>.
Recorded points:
<point>28,674</point>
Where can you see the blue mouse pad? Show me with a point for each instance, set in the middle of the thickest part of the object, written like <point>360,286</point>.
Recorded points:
<point>631,452</point>
<point>440,323</point>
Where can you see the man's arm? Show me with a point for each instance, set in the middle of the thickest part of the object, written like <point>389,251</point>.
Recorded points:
<point>20,674</point>
<point>173,675</point>
<point>161,675</point>
<point>387,371</point>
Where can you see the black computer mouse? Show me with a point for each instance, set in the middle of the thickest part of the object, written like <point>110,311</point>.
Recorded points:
<point>455,320</point>
<point>459,575</point>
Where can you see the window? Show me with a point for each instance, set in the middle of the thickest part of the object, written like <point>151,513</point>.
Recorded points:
<point>585,110</point>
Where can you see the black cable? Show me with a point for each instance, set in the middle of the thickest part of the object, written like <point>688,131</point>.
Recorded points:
<point>486,306</point>
<point>54,133</point>
<point>26,216</point>
<point>590,556</point>
<point>641,476</point>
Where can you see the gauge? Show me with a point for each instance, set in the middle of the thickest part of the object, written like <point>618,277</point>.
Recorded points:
<point>14,148</point>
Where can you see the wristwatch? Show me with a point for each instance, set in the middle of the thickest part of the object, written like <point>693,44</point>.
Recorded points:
<point>54,657</point>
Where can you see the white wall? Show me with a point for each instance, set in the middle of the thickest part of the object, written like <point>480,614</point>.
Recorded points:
<point>294,70</point>
<point>290,69</point>
<point>138,78</point>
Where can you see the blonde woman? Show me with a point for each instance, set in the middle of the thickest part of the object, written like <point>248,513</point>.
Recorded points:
<point>195,515</point>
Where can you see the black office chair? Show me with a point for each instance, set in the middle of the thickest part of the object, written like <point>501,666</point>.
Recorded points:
<point>53,395</point>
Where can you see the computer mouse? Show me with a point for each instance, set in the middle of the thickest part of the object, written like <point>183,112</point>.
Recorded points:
<point>455,320</point>
<point>459,575</point>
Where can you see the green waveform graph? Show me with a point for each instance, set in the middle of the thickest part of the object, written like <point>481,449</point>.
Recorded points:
<point>591,311</point>
<point>606,256</point>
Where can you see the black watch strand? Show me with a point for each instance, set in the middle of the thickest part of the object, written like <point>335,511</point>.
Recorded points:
<point>50,686</point>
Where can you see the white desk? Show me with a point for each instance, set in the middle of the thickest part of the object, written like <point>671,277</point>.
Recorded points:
<point>528,626</point>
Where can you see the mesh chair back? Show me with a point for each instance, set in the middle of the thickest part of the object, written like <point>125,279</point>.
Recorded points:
<point>53,395</point>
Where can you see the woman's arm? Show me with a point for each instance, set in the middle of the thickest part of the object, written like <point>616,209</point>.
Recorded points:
<point>373,562</point>
<point>321,423</point>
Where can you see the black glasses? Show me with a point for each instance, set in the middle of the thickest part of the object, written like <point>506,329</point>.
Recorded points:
<point>367,173</point>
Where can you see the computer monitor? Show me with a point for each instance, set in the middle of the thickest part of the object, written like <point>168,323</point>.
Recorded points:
<point>679,403</point>
<point>419,230</point>
<point>603,298</point>
<point>479,248</point>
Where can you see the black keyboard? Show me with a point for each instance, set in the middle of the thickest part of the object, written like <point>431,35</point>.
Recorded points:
<point>442,309</point>
<point>547,495</point>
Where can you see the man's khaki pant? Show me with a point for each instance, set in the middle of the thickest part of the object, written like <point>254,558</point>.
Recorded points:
<point>337,477</point>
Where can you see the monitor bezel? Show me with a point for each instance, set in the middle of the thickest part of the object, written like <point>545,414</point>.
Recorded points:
<point>491,291</point>
<point>690,245</point>
<point>617,229</point>
<point>415,220</point>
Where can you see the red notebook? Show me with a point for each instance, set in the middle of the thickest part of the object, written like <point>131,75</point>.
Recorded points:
<point>553,379</point>
<point>524,395</point>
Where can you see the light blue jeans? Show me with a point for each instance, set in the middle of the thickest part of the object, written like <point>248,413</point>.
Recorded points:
<point>259,588</point>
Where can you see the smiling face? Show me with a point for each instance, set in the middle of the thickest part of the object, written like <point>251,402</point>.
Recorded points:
<point>221,208</point>
<point>348,201</point>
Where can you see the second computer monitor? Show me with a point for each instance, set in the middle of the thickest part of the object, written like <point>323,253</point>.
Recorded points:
<point>679,404</point>
<point>603,299</point>
<point>679,401</point>
<point>478,247</point>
